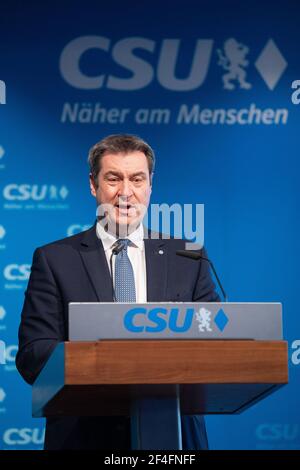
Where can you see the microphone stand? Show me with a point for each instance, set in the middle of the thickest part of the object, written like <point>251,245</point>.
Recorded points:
<point>196,256</point>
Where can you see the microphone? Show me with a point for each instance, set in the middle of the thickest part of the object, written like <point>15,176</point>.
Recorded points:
<point>115,251</point>
<point>196,256</point>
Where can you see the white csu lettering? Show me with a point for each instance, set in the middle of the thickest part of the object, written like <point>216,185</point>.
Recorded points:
<point>23,192</point>
<point>17,272</point>
<point>10,353</point>
<point>24,436</point>
<point>142,72</point>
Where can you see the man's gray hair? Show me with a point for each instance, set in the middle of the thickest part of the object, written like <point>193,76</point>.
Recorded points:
<point>119,143</point>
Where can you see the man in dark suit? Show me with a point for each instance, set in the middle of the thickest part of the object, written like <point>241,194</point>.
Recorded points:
<point>77,269</point>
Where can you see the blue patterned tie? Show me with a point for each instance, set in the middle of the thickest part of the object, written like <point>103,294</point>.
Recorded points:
<point>124,276</point>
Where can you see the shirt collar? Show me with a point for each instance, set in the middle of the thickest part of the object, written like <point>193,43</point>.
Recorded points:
<point>108,239</point>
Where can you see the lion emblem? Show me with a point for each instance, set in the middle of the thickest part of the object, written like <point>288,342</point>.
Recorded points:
<point>203,316</point>
<point>233,60</point>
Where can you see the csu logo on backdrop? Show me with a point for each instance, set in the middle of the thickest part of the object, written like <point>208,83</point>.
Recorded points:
<point>2,92</point>
<point>278,435</point>
<point>232,57</point>
<point>35,196</point>
<point>17,272</point>
<point>24,436</point>
<point>10,357</point>
<point>35,192</point>
<point>15,275</point>
<point>159,319</point>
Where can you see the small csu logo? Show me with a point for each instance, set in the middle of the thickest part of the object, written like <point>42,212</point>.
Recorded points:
<point>277,436</point>
<point>159,319</point>
<point>23,436</point>
<point>9,356</point>
<point>34,192</point>
<point>17,272</point>
<point>15,275</point>
<point>277,431</point>
<point>35,197</point>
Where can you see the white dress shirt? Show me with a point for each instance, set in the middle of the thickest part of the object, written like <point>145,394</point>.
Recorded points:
<point>136,254</point>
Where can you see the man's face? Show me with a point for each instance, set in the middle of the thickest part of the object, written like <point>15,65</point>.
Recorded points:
<point>123,183</point>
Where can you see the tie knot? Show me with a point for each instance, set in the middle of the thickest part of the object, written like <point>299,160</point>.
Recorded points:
<point>124,242</point>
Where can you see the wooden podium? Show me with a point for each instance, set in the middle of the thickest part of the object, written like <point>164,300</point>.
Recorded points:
<point>156,380</point>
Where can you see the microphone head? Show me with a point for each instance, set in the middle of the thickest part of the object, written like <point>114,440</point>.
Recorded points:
<point>189,254</point>
<point>117,249</point>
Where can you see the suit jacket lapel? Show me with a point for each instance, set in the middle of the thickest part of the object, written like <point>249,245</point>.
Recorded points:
<point>94,260</point>
<point>156,266</point>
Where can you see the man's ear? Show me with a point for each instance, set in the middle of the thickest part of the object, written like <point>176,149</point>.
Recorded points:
<point>93,186</point>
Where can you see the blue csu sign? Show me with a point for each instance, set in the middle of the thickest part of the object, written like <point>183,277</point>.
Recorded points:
<point>159,319</point>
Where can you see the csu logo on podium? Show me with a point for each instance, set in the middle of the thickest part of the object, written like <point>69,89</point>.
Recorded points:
<point>159,319</point>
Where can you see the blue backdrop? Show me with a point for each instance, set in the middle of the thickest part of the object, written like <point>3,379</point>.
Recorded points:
<point>208,84</point>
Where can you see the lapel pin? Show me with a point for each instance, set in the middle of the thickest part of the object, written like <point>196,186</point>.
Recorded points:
<point>161,252</point>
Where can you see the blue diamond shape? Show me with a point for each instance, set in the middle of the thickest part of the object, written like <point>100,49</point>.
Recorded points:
<point>221,319</point>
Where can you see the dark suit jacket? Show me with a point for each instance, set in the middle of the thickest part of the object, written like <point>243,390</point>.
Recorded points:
<point>75,270</point>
